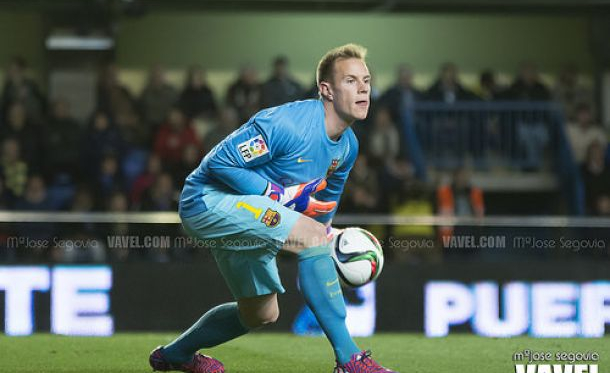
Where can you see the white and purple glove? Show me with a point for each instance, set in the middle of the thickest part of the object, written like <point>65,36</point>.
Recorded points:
<point>298,197</point>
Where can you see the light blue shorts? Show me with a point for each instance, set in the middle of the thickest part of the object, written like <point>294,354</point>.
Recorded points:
<point>244,234</point>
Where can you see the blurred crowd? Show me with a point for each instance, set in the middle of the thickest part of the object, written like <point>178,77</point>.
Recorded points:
<point>135,151</point>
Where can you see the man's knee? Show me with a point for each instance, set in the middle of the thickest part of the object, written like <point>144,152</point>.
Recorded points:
<point>306,233</point>
<point>269,317</point>
<point>259,311</point>
<point>261,318</point>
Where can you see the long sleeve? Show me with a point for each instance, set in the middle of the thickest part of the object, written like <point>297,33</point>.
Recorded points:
<point>254,144</point>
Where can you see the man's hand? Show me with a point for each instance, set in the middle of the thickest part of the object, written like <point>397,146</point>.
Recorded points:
<point>298,197</point>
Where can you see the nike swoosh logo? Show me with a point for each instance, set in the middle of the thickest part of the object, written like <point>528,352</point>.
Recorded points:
<point>331,283</point>
<point>303,160</point>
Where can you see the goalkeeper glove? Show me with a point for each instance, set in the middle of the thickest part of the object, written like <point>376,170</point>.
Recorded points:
<point>298,197</point>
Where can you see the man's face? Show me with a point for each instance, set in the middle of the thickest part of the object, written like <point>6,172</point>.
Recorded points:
<point>351,89</point>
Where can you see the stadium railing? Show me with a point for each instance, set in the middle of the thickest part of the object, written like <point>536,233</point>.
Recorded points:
<point>340,219</point>
<point>515,136</point>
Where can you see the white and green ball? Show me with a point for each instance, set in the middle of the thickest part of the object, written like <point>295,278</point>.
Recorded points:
<point>357,254</point>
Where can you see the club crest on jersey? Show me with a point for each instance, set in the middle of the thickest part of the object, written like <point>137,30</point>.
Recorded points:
<point>333,167</point>
<point>271,218</point>
<point>253,148</point>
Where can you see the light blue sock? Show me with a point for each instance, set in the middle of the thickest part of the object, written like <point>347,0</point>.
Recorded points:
<point>322,291</point>
<point>219,325</point>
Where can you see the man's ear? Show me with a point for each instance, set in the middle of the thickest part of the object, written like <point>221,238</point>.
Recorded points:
<point>326,91</point>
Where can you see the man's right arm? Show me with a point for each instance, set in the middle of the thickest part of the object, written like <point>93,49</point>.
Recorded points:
<point>255,144</point>
<point>232,161</point>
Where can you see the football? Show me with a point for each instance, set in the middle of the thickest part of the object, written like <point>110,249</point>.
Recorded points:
<point>357,254</point>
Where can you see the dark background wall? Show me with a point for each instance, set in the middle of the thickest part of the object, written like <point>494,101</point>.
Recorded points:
<point>169,297</point>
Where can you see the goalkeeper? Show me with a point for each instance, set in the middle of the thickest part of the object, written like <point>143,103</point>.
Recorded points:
<point>272,185</point>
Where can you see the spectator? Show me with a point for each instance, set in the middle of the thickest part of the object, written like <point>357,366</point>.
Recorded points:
<point>312,92</point>
<point>459,198</point>
<point>35,198</point>
<point>20,128</point>
<point>113,97</point>
<point>156,99</point>
<point>161,196</point>
<point>197,98</point>
<point>596,179</point>
<point>135,135</point>
<point>5,203</point>
<point>226,123</point>
<point>402,94</point>
<point>384,139</point>
<point>145,180</point>
<point>20,88</point>
<point>449,150</point>
<point>191,157</point>
<point>447,87</point>
<point>101,138</point>
<point>570,92</point>
<point>118,203</point>
<point>362,189</point>
<point>61,142</point>
<point>530,134</point>
<point>603,206</point>
<point>489,90</point>
<point>14,170</point>
<point>395,174</point>
<point>83,200</point>
<point>527,85</point>
<point>6,253</point>
<point>173,136</point>
<point>244,95</point>
<point>414,200</point>
<point>109,179</point>
<point>584,132</point>
<point>281,87</point>
<point>92,248</point>
<point>484,131</point>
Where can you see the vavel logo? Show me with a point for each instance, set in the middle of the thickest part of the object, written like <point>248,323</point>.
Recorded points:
<point>556,368</point>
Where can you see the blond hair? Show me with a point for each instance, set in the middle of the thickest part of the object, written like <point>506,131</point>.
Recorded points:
<point>327,63</point>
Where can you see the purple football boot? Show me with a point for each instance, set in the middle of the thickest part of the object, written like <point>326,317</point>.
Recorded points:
<point>199,364</point>
<point>361,362</point>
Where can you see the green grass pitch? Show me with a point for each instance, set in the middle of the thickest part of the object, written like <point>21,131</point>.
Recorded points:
<point>271,352</point>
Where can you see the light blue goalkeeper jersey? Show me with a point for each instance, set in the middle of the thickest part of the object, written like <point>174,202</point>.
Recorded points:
<point>286,145</point>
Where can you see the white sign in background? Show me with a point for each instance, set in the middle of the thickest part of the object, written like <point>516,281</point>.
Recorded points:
<point>540,309</point>
<point>80,305</point>
<point>80,299</point>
